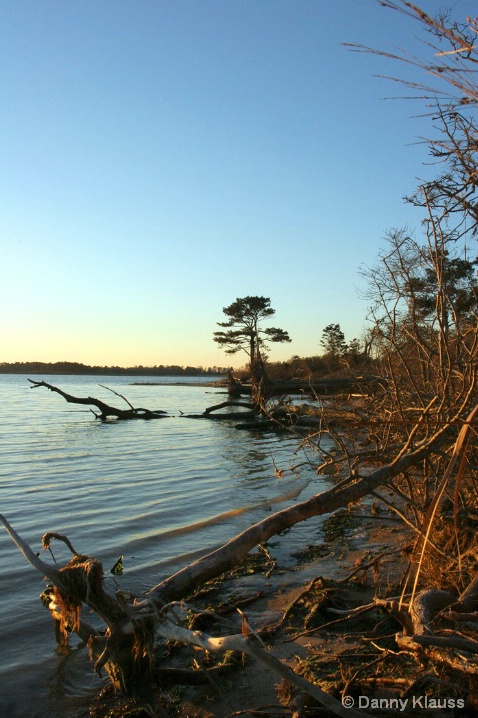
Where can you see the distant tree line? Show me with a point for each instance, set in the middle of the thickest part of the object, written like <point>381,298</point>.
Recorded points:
<point>65,367</point>
<point>338,359</point>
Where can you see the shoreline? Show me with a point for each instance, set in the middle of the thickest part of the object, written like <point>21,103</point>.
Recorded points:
<point>360,539</point>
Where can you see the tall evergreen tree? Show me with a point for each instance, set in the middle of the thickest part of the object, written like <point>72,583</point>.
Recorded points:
<point>244,330</point>
<point>333,340</point>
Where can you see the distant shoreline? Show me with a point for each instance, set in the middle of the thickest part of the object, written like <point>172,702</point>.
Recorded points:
<point>77,369</point>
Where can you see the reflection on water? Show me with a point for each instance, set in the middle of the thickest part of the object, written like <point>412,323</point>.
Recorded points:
<point>160,493</point>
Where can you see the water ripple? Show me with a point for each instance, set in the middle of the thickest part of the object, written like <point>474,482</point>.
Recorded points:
<point>160,493</point>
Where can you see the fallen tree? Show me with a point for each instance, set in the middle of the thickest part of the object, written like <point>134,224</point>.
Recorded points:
<point>347,491</point>
<point>105,410</point>
<point>210,412</point>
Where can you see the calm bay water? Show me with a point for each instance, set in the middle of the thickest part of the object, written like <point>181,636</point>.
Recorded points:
<point>161,493</point>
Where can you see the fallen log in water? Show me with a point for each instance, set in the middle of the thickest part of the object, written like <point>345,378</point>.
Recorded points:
<point>106,411</point>
<point>209,413</point>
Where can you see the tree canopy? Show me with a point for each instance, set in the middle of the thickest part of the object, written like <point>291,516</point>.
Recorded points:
<point>244,331</point>
<point>333,340</point>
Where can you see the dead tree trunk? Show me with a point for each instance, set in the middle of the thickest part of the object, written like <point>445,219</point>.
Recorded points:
<point>105,410</point>
<point>347,491</point>
<point>234,386</point>
<point>209,413</point>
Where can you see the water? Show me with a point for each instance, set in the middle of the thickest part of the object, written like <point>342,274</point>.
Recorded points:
<point>161,493</point>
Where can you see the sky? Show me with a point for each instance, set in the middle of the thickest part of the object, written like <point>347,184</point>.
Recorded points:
<point>161,158</point>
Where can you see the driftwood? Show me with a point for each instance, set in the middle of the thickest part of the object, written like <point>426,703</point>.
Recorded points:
<point>468,599</point>
<point>105,410</point>
<point>125,650</point>
<point>426,606</point>
<point>421,618</point>
<point>281,415</point>
<point>347,491</point>
<point>433,649</point>
<point>209,413</point>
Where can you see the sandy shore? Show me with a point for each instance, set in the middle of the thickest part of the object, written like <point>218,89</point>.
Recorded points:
<point>357,538</point>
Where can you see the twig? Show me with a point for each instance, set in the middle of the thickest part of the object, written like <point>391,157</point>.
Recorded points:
<point>365,566</point>
<point>120,395</point>
<point>358,672</point>
<point>59,537</point>
<point>354,612</point>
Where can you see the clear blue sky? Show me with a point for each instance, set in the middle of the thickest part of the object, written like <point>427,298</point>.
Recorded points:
<point>160,158</point>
